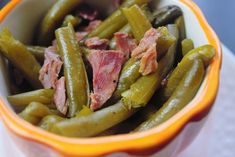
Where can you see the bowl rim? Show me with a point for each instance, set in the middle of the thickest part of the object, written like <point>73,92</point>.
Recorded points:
<point>126,142</point>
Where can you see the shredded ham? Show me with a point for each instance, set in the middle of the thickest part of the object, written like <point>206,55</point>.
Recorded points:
<point>106,65</point>
<point>97,43</point>
<point>51,68</point>
<point>60,96</point>
<point>80,35</point>
<point>148,62</point>
<point>125,43</point>
<point>146,52</point>
<point>92,25</point>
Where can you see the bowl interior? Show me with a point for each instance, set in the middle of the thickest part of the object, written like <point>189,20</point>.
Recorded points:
<point>22,21</point>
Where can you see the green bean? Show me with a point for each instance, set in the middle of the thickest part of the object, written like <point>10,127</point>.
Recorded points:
<point>134,15</point>
<point>34,112</point>
<point>77,86</point>
<point>182,95</point>
<point>44,96</point>
<point>187,45</point>
<point>48,121</point>
<point>166,15</point>
<point>74,20</point>
<point>54,18</point>
<point>181,26</point>
<point>37,52</point>
<point>127,28</point>
<point>115,21</point>
<point>94,123</point>
<point>20,57</point>
<point>135,97</point>
<point>84,112</point>
<point>130,72</point>
<point>205,53</point>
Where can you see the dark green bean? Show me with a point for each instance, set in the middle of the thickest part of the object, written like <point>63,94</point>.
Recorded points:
<point>187,45</point>
<point>134,15</point>
<point>44,96</point>
<point>77,86</point>
<point>205,53</point>
<point>48,121</point>
<point>37,51</point>
<point>54,18</point>
<point>20,57</point>
<point>166,15</point>
<point>74,20</point>
<point>34,112</point>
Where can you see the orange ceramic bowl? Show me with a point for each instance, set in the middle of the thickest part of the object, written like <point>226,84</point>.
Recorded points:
<point>21,17</point>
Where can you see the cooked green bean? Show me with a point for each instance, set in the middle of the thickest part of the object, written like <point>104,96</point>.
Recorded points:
<point>135,96</point>
<point>166,15</point>
<point>54,18</point>
<point>94,123</point>
<point>34,112</point>
<point>48,121</point>
<point>44,96</point>
<point>77,86</point>
<point>115,21</point>
<point>205,53</point>
<point>71,19</point>
<point>37,51</point>
<point>181,26</point>
<point>134,15</point>
<point>20,57</point>
<point>182,95</point>
<point>130,72</point>
<point>127,28</point>
<point>187,45</point>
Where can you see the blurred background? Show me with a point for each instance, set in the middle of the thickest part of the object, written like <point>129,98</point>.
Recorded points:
<point>219,13</point>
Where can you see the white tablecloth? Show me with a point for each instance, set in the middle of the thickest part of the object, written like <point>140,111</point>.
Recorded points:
<point>216,139</point>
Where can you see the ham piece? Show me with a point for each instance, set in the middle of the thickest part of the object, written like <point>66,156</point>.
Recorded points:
<point>97,43</point>
<point>146,52</point>
<point>125,43</point>
<point>106,65</point>
<point>50,70</point>
<point>60,96</point>
<point>92,25</point>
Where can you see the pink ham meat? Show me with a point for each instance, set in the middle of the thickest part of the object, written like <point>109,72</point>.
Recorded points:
<point>106,65</point>
<point>92,25</point>
<point>50,70</point>
<point>146,52</point>
<point>125,43</point>
<point>60,96</point>
<point>80,35</point>
<point>148,62</point>
<point>97,43</point>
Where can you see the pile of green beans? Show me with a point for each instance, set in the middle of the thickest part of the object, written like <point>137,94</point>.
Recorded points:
<point>180,72</point>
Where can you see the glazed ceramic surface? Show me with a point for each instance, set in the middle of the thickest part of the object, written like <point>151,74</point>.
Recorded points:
<point>23,16</point>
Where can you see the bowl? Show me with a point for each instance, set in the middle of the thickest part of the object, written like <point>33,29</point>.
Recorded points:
<point>168,139</point>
